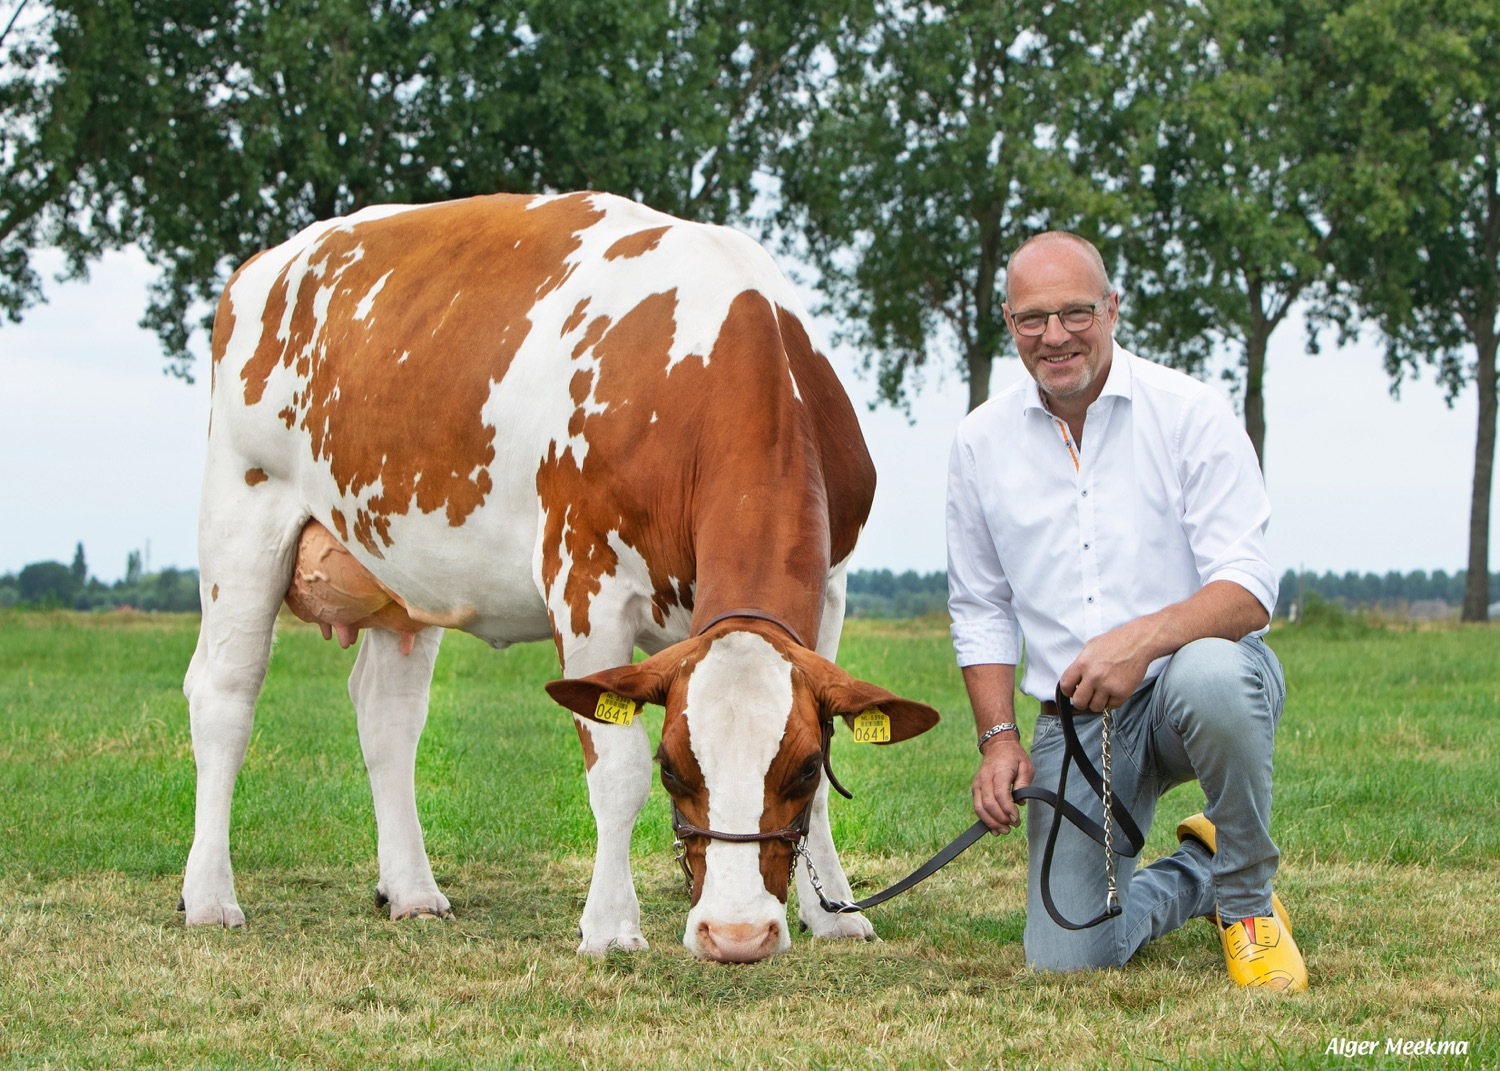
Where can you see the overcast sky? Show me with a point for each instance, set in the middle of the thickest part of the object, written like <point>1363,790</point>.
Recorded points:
<point>98,446</point>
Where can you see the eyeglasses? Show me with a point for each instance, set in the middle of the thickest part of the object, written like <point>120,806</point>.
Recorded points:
<point>1074,318</point>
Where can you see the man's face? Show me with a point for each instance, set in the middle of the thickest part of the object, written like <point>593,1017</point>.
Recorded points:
<point>1068,366</point>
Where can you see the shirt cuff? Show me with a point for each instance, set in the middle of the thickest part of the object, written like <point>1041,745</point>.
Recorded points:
<point>985,642</point>
<point>1255,585</point>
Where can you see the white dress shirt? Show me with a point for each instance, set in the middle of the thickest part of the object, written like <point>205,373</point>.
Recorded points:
<point>1060,544</point>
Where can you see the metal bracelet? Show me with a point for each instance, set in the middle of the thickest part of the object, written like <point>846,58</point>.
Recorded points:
<point>1003,727</point>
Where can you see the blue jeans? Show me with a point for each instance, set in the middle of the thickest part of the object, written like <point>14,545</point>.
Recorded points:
<point>1211,716</point>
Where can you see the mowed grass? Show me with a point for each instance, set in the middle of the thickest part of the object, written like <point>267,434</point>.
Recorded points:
<point>1387,812</point>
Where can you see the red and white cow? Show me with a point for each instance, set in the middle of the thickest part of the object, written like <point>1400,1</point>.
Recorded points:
<point>531,417</point>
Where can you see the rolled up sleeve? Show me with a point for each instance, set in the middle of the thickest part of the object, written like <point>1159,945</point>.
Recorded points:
<point>1226,509</point>
<point>985,629</point>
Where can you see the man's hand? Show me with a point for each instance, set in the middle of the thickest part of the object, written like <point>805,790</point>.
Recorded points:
<point>1109,669</point>
<point>1004,768</point>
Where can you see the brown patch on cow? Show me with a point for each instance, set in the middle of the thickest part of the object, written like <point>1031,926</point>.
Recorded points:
<point>637,244</point>
<point>745,489</point>
<point>582,505</point>
<point>801,748</point>
<point>578,388</point>
<point>848,471</point>
<point>575,318</point>
<point>597,326</point>
<point>214,594</point>
<point>394,398</point>
<point>255,476</point>
<point>586,738</point>
<point>341,526</point>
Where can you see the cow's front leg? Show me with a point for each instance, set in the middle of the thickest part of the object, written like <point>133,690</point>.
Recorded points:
<point>619,778</point>
<point>825,858</point>
<point>390,693</point>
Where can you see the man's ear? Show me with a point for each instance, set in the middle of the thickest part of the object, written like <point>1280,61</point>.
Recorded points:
<point>643,682</point>
<point>840,695</point>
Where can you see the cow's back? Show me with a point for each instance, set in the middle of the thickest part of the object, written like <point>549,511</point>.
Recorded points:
<point>489,398</point>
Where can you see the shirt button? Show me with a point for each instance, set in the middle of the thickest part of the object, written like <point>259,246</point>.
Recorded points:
<point>1085,494</point>
<point>1091,598</point>
<point>1086,546</point>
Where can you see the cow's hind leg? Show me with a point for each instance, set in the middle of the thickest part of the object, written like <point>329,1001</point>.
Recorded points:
<point>820,844</point>
<point>246,551</point>
<point>390,693</point>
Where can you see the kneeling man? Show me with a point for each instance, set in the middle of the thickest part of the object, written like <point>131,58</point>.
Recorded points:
<point>1111,511</point>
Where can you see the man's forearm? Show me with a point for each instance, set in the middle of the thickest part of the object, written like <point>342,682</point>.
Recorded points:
<point>1222,608</point>
<point>992,694</point>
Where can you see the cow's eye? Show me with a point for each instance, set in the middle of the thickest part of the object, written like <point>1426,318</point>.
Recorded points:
<point>807,776</point>
<point>670,779</point>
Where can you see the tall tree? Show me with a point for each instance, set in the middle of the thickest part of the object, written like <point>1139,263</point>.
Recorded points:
<point>1234,172</point>
<point>206,131</point>
<point>944,135</point>
<point>1425,259</point>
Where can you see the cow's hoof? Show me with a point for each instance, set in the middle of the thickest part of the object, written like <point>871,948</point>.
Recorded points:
<point>847,927</point>
<point>620,943</point>
<point>423,904</point>
<point>422,913</point>
<point>229,916</point>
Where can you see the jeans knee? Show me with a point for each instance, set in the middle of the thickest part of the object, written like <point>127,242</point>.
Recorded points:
<point>1211,684</point>
<point>1062,957</point>
<point>1050,947</point>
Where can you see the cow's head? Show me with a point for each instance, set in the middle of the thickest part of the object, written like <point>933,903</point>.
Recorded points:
<point>741,752</point>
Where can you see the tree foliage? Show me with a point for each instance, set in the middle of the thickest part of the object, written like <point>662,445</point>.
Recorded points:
<point>1425,258</point>
<point>945,134</point>
<point>1236,173</point>
<point>207,131</point>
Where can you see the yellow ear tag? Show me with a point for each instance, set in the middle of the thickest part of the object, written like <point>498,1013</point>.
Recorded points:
<point>616,709</point>
<point>872,727</point>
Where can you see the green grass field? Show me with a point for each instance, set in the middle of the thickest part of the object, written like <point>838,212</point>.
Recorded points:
<point>1387,812</point>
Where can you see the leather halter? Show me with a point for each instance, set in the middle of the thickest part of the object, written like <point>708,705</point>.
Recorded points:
<point>763,615</point>
<point>793,834</point>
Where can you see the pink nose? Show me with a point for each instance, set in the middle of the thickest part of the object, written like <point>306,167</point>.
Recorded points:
<point>738,942</point>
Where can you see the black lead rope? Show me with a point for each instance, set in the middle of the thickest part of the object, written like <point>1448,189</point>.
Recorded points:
<point>1061,808</point>
<point>1073,753</point>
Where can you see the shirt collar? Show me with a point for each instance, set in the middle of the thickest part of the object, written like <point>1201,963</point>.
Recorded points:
<point>1117,384</point>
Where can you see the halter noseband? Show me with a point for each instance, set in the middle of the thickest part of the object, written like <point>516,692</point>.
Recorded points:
<point>793,834</point>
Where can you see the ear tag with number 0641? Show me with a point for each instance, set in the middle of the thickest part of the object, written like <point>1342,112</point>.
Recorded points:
<point>872,726</point>
<point>616,709</point>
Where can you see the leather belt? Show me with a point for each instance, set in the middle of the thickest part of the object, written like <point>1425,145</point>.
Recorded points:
<point>1049,710</point>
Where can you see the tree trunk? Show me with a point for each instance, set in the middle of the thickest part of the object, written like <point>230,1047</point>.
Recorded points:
<point>979,378</point>
<point>1255,399</point>
<point>1477,585</point>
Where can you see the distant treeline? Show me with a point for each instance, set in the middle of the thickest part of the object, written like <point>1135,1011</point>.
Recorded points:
<point>1393,591</point>
<point>882,593</point>
<point>53,585</point>
<point>872,592</point>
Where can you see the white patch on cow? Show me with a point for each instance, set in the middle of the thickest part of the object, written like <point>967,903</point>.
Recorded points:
<point>367,303</point>
<point>739,699</point>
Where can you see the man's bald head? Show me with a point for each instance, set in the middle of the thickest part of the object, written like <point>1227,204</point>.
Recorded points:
<point>1059,242</point>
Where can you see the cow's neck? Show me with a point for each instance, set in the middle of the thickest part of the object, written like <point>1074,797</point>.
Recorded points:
<point>758,551</point>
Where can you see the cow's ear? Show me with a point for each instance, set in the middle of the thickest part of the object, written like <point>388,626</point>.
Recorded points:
<point>840,695</point>
<point>644,682</point>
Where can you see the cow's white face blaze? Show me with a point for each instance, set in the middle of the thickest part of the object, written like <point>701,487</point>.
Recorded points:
<point>737,712</point>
